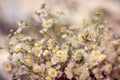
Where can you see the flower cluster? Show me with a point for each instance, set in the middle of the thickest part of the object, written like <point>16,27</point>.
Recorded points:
<point>88,52</point>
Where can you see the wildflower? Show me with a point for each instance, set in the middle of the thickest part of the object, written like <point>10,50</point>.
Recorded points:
<point>36,68</point>
<point>71,65</point>
<point>91,33</point>
<point>52,72</point>
<point>46,52</point>
<point>95,53</point>
<point>63,29</point>
<point>52,21</point>
<point>29,60</point>
<point>38,44</point>
<point>80,36</point>
<point>59,53</point>
<point>63,59</point>
<point>54,60</point>
<point>38,51</point>
<point>7,66</point>
<point>59,73</point>
<point>48,64</point>
<point>108,67</point>
<point>69,74</point>
<point>102,57</point>
<point>48,78</point>
<point>50,43</point>
<point>99,76</point>
<point>55,48</point>
<point>46,24</point>
<point>17,48</point>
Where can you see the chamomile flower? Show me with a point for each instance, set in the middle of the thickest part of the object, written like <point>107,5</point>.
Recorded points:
<point>54,60</point>
<point>50,43</point>
<point>63,29</point>
<point>52,72</point>
<point>80,36</point>
<point>55,48</point>
<point>71,65</point>
<point>59,53</point>
<point>63,59</point>
<point>52,20</point>
<point>36,68</point>
<point>95,53</point>
<point>48,64</point>
<point>108,68</point>
<point>45,53</point>
<point>102,57</point>
<point>91,33</point>
<point>37,51</point>
<point>38,44</point>
<point>59,73</point>
<point>48,78</point>
<point>69,74</point>
<point>29,60</point>
<point>17,48</point>
<point>7,66</point>
<point>47,24</point>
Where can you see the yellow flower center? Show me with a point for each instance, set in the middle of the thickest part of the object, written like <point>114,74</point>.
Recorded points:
<point>7,66</point>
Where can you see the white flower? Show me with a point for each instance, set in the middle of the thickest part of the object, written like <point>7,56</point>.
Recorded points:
<point>38,51</point>
<point>55,48</point>
<point>71,65</point>
<point>108,68</point>
<point>46,52</point>
<point>46,24</point>
<point>102,57</point>
<point>36,68</point>
<point>69,74</point>
<point>48,78</point>
<point>29,60</point>
<point>80,36</point>
<point>95,53</point>
<point>7,66</point>
<point>17,48</point>
<point>52,21</point>
<point>38,44</point>
<point>54,60</point>
<point>52,72</point>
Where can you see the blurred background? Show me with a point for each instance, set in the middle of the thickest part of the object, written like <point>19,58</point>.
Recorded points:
<point>75,11</point>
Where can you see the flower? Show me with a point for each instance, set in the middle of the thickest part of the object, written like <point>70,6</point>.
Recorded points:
<point>29,60</point>
<point>38,44</point>
<point>54,60</point>
<point>80,36</point>
<point>108,68</point>
<point>95,53</point>
<point>52,72</point>
<point>55,48</point>
<point>48,78</point>
<point>37,51</point>
<point>47,24</point>
<point>17,48</point>
<point>46,52</point>
<point>7,66</point>
<point>36,68</point>
<point>52,21</point>
<point>102,57</point>
<point>69,74</point>
<point>91,33</point>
